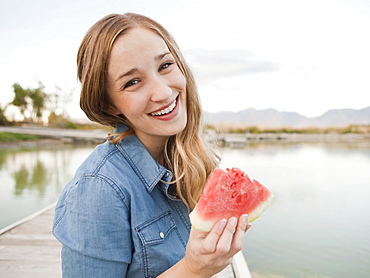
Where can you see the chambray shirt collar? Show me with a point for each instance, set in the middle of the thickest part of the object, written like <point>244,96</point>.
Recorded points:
<point>147,169</point>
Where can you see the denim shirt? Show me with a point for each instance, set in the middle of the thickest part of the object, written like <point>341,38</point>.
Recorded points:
<point>117,217</point>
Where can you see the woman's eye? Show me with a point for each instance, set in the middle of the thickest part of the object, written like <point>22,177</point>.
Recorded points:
<point>131,83</point>
<point>165,66</point>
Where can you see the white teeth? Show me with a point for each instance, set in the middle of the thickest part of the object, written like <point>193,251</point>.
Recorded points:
<point>165,111</point>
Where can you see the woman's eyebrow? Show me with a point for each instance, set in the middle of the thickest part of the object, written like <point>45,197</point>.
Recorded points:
<point>130,72</point>
<point>161,56</point>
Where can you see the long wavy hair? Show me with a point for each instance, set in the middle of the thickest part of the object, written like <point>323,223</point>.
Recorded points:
<point>187,155</point>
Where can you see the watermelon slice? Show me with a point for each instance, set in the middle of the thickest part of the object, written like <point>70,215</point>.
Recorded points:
<point>226,194</point>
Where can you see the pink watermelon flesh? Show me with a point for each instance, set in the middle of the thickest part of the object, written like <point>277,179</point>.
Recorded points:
<point>226,194</point>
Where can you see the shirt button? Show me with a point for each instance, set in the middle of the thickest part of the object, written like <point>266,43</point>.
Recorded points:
<point>166,175</point>
<point>161,235</point>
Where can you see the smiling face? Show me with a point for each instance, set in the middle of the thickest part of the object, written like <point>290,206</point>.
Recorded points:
<point>147,87</point>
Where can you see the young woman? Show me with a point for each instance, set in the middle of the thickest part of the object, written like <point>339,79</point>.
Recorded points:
<point>125,213</point>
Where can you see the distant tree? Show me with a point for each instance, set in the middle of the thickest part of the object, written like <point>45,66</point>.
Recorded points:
<point>31,102</point>
<point>21,98</point>
<point>3,119</point>
<point>38,97</point>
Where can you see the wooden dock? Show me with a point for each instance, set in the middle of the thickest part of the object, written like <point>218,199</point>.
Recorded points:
<point>29,250</point>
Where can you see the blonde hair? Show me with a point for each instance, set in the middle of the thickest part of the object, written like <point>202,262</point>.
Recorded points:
<point>186,154</point>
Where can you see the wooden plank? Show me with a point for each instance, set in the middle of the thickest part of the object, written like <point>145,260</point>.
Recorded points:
<point>29,249</point>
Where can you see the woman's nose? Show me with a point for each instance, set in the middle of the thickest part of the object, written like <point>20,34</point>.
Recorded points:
<point>159,88</point>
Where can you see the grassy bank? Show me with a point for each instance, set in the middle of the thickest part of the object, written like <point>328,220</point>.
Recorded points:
<point>8,137</point>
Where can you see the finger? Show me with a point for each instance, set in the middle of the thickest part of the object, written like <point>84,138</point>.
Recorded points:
<point>243,224</point>
<point>210,242</point>
<point>224,243</point>
<point>238,239</point>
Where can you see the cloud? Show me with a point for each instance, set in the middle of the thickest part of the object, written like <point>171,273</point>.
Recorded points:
<point>210,65</point>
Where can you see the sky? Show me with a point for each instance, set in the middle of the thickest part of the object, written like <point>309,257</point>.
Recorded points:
<point>305,56</point>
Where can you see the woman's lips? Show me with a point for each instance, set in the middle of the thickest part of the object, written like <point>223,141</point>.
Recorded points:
<point>164,110</point>
<point>173,111</point>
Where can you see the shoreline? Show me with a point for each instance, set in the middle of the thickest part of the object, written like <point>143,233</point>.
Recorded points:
<point>79,136</point>
<point>241,140</point>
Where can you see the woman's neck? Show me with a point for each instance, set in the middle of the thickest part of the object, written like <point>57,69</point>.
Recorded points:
<point>155,146</point>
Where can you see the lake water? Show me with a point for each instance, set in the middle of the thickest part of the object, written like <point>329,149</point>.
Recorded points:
<point>317,227</point>
<point>318,224</point>
<point>32,178</point>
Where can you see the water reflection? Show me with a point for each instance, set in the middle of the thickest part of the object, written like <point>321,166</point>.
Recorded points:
<point>32,178</point>
<point>35,179</point>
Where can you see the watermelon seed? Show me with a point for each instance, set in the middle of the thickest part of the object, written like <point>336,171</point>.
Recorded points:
<point>232,184</point>
<point>240,198</point>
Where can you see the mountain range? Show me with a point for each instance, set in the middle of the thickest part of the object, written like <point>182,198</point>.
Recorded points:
<point>272,118</point>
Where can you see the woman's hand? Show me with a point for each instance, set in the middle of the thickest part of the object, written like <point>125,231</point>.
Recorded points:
<point>209,253</point>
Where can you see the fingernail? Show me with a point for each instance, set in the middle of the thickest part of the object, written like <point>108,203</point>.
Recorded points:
<point>233,221</point>
<point>244,219</point>
<point>222,224</point>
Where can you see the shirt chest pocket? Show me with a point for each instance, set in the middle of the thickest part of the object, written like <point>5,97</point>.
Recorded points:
<point>161,246</point>
<point>157,230</point>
